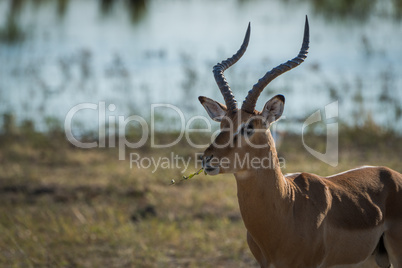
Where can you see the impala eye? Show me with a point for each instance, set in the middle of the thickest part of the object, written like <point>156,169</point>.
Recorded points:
<point>247,130</point>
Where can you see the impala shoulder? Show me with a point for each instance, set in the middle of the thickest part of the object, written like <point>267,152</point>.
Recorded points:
<point>304,179</point>
<point>308,183</point>
<point>311,196</point>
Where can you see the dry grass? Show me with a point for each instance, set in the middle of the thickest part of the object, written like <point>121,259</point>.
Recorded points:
<point>66,207</point>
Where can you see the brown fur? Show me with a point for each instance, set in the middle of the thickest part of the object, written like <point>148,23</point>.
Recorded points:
<point>306,220</point>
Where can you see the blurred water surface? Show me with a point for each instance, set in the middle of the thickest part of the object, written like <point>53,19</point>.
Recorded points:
<point>57,54</point>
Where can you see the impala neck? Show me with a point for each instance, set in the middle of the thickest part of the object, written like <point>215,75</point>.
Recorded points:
<point>266,182</point>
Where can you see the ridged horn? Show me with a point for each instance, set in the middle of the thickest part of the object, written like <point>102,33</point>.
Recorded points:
<point>252,97</point>
<point>220,79</point>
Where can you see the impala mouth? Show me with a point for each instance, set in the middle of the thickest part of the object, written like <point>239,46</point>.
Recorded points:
<point>211,170</point>
<point>208,168</point>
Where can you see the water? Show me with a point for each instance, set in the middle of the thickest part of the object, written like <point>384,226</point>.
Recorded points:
<point>57,54</point>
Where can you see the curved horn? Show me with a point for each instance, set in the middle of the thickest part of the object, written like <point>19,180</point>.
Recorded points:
<point>252,97</point>
<point>219,68</point>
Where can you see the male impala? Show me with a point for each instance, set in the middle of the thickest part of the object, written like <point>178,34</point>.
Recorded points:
<point>302,219</point>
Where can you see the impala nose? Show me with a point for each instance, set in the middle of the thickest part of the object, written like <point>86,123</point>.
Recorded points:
<point>206,160</point>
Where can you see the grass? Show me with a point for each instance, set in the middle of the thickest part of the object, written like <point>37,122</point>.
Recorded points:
<point>62,206</point>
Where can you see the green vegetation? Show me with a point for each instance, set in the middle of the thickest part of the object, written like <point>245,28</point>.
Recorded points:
<point>61,206</point>
<point>184,178</point>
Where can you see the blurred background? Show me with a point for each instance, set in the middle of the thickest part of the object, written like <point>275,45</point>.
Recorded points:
<point>57,54</point>
<point>62,206</point>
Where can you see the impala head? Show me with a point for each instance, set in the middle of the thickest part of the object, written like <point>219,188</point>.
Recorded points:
<point>244,132</point>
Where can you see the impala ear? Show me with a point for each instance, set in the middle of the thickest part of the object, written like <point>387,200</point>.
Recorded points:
<point>273,109</point>
<point>214,109</point>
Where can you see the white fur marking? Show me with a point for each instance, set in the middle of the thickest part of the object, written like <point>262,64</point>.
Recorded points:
<point>350,171</point>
